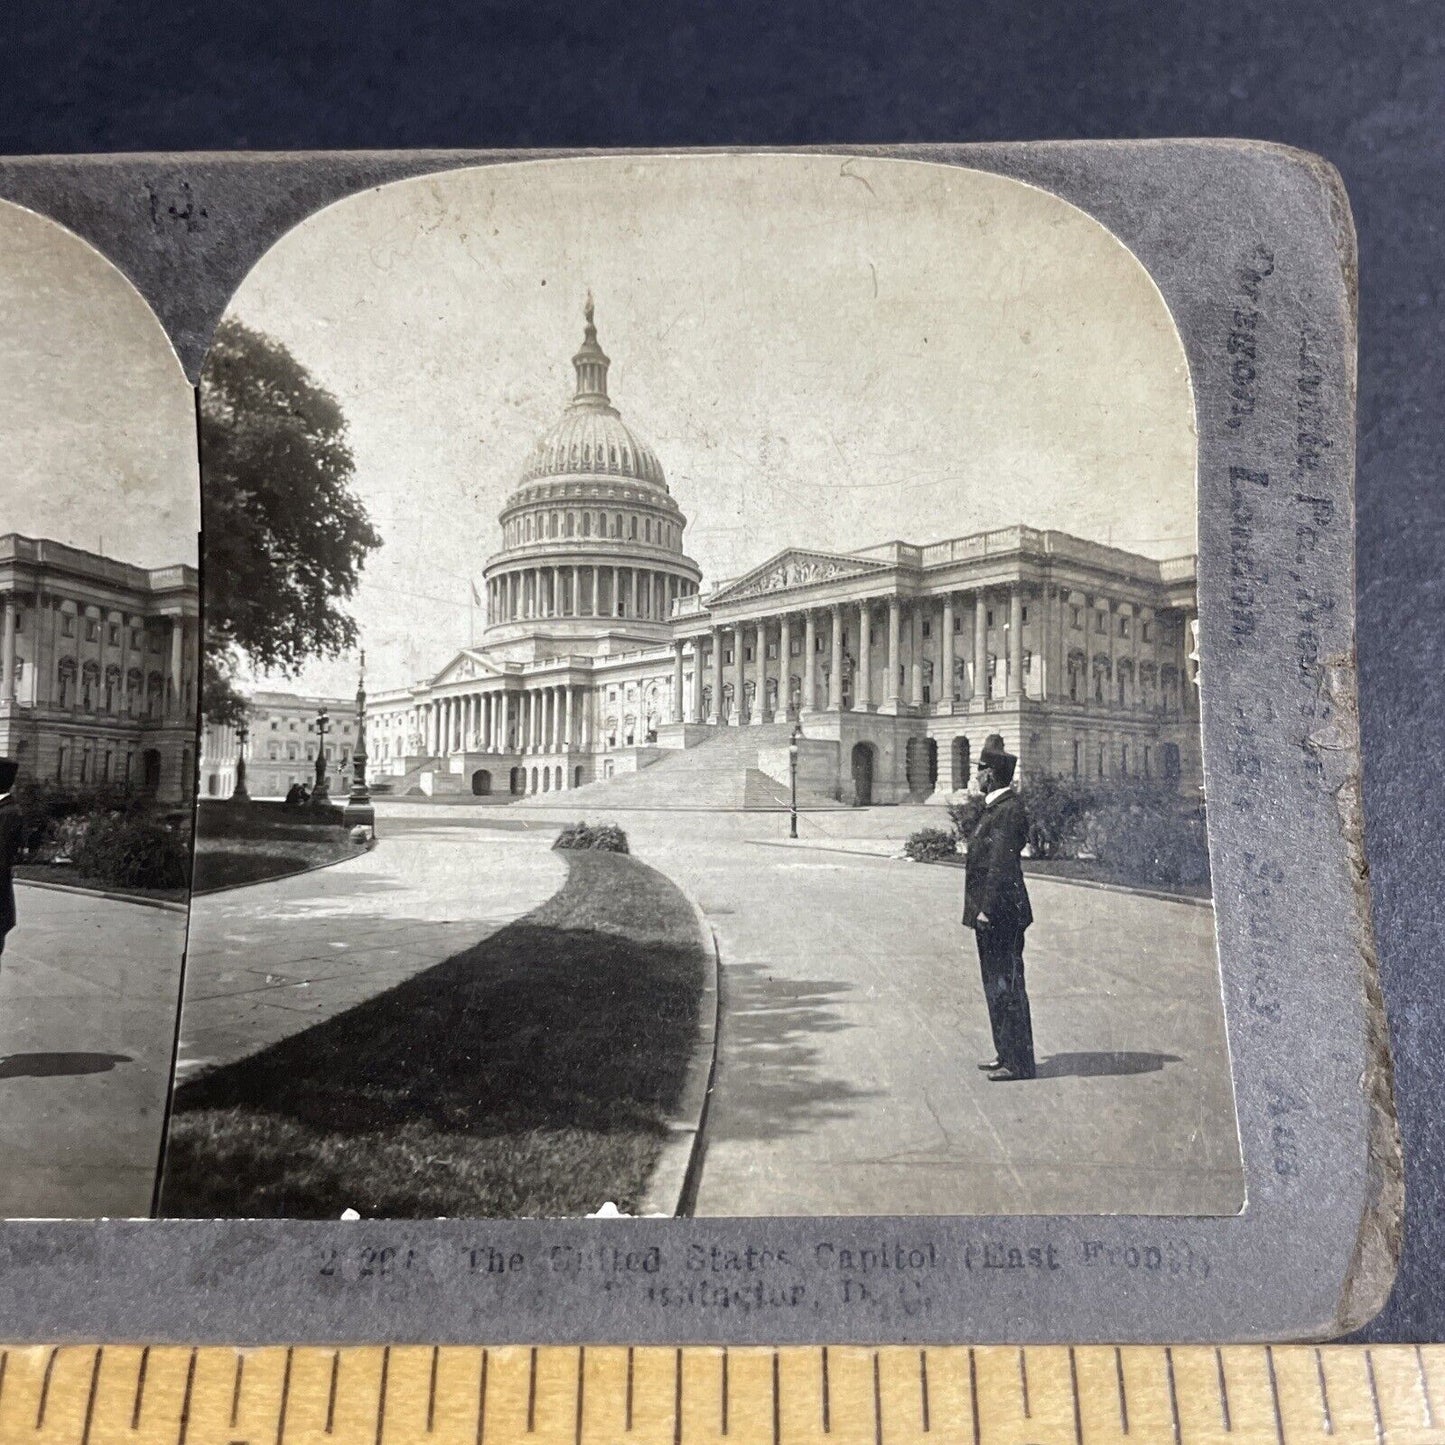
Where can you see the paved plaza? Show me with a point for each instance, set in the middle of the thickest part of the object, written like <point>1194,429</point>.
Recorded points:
<point>852,1019</point>
<point>88,991</point>
<point>269,960</point>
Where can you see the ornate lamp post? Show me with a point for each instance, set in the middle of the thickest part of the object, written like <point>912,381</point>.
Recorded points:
<point>321,792</point>
<point>793,779</point>
<point>359,811</point>
<point>239,793</point>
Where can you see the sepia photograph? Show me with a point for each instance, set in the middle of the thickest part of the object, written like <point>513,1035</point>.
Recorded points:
<point>98,706</point>
<point>700,709</point>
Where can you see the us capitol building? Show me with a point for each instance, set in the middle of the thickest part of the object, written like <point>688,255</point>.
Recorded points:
<point>604,657</point>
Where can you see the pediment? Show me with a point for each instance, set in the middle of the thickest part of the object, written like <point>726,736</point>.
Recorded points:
<point>795,568</point>
<point>467,666</point>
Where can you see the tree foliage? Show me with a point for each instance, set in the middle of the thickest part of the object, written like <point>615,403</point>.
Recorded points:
<point>285,537</point>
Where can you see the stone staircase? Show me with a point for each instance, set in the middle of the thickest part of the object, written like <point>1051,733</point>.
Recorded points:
<point>718,774</point>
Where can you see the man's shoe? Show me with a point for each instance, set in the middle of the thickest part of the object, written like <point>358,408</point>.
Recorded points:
<point>992,1064</point>
<point>1002,1075</point>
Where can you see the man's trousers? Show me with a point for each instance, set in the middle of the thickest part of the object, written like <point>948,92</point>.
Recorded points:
<point>1001,962</point>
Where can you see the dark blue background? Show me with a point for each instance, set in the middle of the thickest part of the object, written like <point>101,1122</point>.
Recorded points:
<point>1362,83</point>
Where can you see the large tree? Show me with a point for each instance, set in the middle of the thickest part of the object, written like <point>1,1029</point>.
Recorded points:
<point>284,537</point>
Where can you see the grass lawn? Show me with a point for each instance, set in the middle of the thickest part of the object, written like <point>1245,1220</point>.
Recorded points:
<point>254,842</point>
<point>73,878</point>
<point>529,1075</point>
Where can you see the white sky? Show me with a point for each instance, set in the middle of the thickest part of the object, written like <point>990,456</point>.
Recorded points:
<point>824,352</point>
<point>97,420</point>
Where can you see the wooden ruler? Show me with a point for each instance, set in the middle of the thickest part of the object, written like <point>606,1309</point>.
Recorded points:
<point>615,1395</point>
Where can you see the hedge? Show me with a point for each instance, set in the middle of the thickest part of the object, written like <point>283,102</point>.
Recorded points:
<point>600,837</point>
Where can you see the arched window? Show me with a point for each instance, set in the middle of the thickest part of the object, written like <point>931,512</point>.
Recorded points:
<point>65,676</point>
<point>112,686</point>
<point>89,685</point>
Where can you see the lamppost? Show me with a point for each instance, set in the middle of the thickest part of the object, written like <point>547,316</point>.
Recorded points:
<point>793,779</point>
<point>359,811</point>
<point>321,792</point>
<point>239,793</point>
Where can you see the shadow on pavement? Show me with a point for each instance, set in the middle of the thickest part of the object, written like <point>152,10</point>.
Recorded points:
<point>770,1025</point>
<point>58,1066</point>
<point>1100,1065</point>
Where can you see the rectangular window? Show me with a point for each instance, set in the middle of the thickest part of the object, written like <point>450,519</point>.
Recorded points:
<point>795,646</point>
<point>1077,750</point>
<point>1124,759</point>
<point>958,623</point>
<point>1123,626</point>
<point>67,625</point>
<point>1101,622</point>
<point>1076,618</point>
<point>1146,760</point>
<point>92,630</point>
<point>727,657</point>
<point>988,618</point>
<point>927,628</point>
<point>113,635</point>
<point>772,650</point>
<point>747,654</point>
<point>1147,628</point>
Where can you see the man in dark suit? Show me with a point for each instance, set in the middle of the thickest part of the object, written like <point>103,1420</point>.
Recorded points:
<point>9,845</point>
<point>996,906</point>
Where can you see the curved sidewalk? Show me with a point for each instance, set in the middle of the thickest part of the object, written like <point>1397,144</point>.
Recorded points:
<point>267,961</point>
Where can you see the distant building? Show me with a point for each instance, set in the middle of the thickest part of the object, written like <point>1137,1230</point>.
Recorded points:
<point>98,668</point>
<point>282,739</point>
<point>602,651</point>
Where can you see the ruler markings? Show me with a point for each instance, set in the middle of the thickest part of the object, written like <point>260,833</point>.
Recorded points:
<point>973,1392</point>
<point>724,1406</point>
<point>877,1403</point>
<point>482,1397</point>
<point>1173,1392</point>
<point>431,1392</point>
<point>331,1392</point>
<point>285,1396</point>
<point>827,1397</point>
<point>1327,1420</point>
<point>236,1389</point>
<point>90,1395</point>
<point>677,1396</point>
<point>381,1394</point>
<point>45,1392</point>
<point>923,1389</point>
<point>1374,1396</point>
<point>629,1387</point>
<point>1224,1414</point>
<point>1119,1383</point>
<point>1024,1384</point>
<point>1074,1390</point>
<point>185,1422</point>
<point>777,1404</point>
<point>532,1392</point>
<point>1427,1409</point>
<point>1274,1393</point>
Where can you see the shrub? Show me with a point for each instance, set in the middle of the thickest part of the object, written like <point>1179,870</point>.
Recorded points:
<point>601,837</point>
<point>928,845</point>
<point>1057,809</point>
<point>964,815</point>
<point>1144,834</point>
<point>45,805</point>
<point>131,850</point>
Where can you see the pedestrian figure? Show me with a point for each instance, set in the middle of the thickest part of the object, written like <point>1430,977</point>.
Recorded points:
<point>10,832</point>
<point>996,906</point>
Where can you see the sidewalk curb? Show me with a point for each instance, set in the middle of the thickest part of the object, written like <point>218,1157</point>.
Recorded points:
<point>282,877</point>
<point>672,1187</point>
<point>165,903</point>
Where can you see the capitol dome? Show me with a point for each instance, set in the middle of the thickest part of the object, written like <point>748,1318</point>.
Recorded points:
<point>592,540</point>
<point>590,438</point>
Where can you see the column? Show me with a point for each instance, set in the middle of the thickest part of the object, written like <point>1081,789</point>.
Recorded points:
<point>717,676</point>
<point>785,666</point>
<point>616,590</point>
<point>915,652</point>
<point>506,738</point>
<point>7,654</point>
<point>809,700</point>
<point>697,713</point>
<point>636,594</point>
<point>1015,641</point>
<point>740,673</point>
<point>980,651</point>
<point>675,711</point>
<point>178,635</point>
<point>760,651</point>
<point>835,674</point>
<point>567,729</point>
<point>892,687</point>
<point>576,592</point>
<point>862,684</point>
<point>943,701</point>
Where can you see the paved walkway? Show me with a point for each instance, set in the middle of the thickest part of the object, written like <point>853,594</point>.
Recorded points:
<point>270,960</point>
<point>852,1019</point>
<point>87,1022</point>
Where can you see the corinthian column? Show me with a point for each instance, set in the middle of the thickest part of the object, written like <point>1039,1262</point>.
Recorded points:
<point>717,676</point>
<point>943,699</point>
<point>760,651</point>
<point>785,667</point>
<point>892,687</point>
<point>1016,641</point>
<point>7,654</point>
<point>835,675</point>
<point>675,710</point>
<point>862,697</point>
<point>809,700</point>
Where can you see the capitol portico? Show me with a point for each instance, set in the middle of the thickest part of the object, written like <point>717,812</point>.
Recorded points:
<point>603,654</point>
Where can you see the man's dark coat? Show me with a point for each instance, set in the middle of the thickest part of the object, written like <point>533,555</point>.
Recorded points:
<point>10,829</point>
<point>993,882</point>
